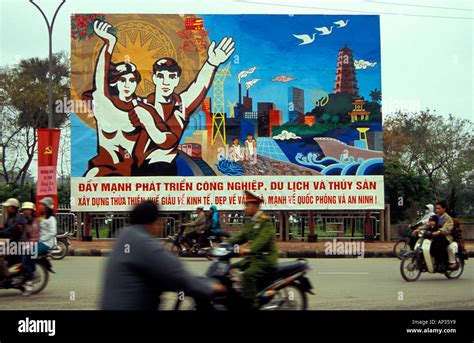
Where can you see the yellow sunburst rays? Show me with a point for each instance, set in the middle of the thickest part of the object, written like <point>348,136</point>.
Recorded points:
<point>139,48</point>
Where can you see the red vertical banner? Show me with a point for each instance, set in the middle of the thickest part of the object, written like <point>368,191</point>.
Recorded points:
<point>48,146</point>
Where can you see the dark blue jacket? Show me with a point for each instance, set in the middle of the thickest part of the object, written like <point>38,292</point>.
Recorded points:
<point>139,269</point>
<point>215,225</point>
<point>15,228</point>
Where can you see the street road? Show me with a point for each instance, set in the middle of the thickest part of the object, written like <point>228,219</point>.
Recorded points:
<point>352,284</point>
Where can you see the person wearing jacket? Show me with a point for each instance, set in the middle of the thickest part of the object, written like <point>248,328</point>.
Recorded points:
<point>443,235</point>
<point>139,268</point>
<point>215,221</point>
<point>14,228</point>
<point>257,243</point>
<point>48,225</point>
<point>198,225</point>
<point>32,236</point>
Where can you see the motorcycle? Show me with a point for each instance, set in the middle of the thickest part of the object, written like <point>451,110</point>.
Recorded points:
<point>178,245</point>
<point>285,289</point>
<point>420,261</point>
<point>61,249</point>
<point>40,277</point>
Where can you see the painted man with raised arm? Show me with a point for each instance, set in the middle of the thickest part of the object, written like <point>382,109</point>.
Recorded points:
<point>173,108</point>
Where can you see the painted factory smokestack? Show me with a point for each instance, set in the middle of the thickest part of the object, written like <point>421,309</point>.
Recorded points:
<point>240,76</point>
<point>240,93</point>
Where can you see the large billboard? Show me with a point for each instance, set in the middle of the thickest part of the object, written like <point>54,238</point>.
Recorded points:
<point>193,109</point>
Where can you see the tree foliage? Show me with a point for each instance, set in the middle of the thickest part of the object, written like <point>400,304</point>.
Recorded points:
<point>405,190</point>
<point>441,149</point>
<point>24,108</point>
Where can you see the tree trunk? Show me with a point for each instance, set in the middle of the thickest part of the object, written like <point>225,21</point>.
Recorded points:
<point>31,153</point>
<point>452,198</point>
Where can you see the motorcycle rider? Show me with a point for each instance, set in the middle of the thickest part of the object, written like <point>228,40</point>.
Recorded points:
<point>13,230</point>
<point>139,268</point>
<point>48,225</point>
<point>199,225</point>
<point>446,224</point>
<point>429,212</point>
<point>32,236</point>
<point>15,223</point>
<point>431,225</point>
<point>260,252</point>
<point>442,237</point>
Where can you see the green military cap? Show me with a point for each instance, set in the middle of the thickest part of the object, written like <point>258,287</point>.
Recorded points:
<point>250,197</point>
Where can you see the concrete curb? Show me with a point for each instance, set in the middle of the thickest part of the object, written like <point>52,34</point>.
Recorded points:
<point>281,253</point>
<point>89,252</point>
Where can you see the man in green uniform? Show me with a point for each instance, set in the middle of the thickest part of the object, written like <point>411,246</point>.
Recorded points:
<point>260,250</point>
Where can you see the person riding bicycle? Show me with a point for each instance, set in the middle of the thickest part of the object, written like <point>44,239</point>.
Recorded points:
<point>198,225</point>
<point>260,252</point>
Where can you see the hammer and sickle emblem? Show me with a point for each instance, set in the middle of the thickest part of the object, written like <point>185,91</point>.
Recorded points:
<point>48,150</point>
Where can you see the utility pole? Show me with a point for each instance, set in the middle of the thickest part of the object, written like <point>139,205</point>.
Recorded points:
<point>50,60</point>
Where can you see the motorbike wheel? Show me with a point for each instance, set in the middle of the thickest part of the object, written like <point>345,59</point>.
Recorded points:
<point>290,298</point>
<point>410,269</point>
<point>400,248</point>
<point>60,251</point>
<point>456,274</point>
<point>41,278</point>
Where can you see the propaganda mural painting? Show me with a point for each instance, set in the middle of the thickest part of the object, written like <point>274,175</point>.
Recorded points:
<point>193,109</point>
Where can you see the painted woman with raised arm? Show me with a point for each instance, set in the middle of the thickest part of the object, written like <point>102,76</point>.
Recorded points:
<point>114,106</point>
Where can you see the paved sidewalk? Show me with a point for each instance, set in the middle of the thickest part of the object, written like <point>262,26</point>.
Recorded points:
<point>287,249</point>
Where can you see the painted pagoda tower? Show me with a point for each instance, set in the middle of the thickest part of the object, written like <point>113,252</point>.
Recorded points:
<point>346,81</point>
<point>359,111</point>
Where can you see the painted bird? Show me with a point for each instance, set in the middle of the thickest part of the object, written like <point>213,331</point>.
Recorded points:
<point>341,23</point>
<point>324,30</point>
<point>306,39</point>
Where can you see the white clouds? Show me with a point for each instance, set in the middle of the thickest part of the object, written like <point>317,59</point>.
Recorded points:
<point>245,73</point>
<point>286,135</point>
<point>363,64</point>
<point>250,83</point>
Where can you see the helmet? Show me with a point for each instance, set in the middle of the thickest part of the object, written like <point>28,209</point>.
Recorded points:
<point>27,205</point>
<point>48,202</point>
<point>12,202</point>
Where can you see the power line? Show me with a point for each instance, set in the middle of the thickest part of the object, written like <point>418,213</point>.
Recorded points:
<point>351,11</point>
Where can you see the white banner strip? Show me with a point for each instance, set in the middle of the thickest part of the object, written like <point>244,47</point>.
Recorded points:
<point>185,193</point>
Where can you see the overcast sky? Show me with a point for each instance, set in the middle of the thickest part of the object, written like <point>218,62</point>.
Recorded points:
<point>427,45</point>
